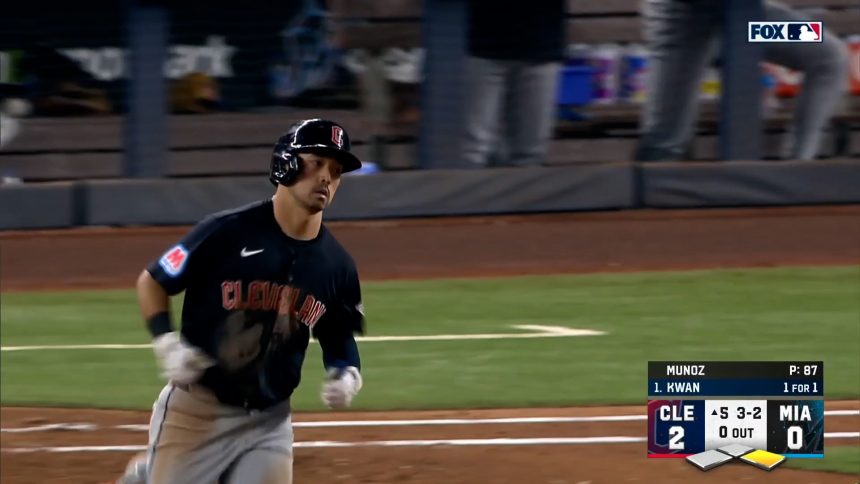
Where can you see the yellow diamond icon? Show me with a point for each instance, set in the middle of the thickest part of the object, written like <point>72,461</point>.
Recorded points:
<point>763,459</point>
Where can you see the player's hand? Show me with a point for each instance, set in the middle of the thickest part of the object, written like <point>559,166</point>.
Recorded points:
<point>341,386</point>
<point>180,362</point>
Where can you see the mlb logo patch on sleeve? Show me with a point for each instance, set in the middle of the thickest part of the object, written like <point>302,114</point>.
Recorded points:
<point>173,261</point>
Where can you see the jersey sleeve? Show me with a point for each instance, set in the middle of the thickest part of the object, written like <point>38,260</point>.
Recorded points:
<point>352,312</point>
<point>178,264</point>
<point>335,332</point>
<point>347,314</point>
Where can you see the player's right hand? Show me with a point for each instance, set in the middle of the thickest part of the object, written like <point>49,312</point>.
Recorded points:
<point>180,362</point>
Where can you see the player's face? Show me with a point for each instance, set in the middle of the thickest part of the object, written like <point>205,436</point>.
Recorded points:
<point>318,181</point>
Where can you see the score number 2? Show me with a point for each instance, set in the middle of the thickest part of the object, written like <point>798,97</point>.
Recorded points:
<point>676,442</point>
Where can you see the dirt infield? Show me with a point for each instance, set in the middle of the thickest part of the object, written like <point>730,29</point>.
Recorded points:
<point>487,246</point>
<point>569,463</point>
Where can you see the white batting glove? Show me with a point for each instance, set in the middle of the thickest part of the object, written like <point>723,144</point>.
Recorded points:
<point>341,386</point>
<point>180,362</point>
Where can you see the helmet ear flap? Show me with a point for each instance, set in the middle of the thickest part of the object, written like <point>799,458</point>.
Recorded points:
<point>285,166</point>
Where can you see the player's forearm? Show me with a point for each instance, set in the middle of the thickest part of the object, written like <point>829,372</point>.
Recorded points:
<point>151,297</point>
<point>154,304</point>
<point>340,352</point>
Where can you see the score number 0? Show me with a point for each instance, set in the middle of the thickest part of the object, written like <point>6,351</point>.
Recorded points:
<point>794,436</point>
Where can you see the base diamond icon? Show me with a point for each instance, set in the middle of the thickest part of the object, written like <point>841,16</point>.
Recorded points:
<point>709,459</point>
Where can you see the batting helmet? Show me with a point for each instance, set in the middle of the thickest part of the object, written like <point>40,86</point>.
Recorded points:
<point>319,136</point>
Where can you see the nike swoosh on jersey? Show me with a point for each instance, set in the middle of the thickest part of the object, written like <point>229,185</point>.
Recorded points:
<point>247,253</point>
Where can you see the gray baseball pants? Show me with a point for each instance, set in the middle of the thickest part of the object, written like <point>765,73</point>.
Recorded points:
<point>195,439</point>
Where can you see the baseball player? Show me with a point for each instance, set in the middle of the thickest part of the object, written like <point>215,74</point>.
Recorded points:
<point>259,281</point>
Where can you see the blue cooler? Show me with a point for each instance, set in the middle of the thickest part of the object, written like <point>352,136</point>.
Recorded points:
<point>574,86</point>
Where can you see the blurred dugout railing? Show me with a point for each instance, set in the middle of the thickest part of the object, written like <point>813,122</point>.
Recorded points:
<point>357,61</point>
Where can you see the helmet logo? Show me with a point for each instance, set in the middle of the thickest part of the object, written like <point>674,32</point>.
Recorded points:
<point>337,136</point>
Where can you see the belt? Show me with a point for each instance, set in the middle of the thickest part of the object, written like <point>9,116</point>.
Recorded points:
<point>249,403</point>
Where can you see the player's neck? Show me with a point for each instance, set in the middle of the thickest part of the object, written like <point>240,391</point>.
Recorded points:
<point>295,220</point>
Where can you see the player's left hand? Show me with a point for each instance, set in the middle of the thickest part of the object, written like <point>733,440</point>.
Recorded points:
<point>341,386</point>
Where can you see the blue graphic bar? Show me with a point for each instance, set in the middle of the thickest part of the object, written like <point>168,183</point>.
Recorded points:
<point>662,387</point>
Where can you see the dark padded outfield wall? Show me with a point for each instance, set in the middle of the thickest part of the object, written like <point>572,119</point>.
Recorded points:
<point>168,202</point>
<point>676,185</point>
<point>50,205</point>
<point>486,191</point>
<point>393,194</point>
<point>580,187</point>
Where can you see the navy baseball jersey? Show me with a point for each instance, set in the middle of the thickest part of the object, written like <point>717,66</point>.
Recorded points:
<point>253,297</point>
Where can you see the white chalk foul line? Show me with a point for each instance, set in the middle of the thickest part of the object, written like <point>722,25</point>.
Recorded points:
<point>535,331</point>
<point>82,448</point>
<point>841,435</point>
<point>841,413</point>
<point>323,444</point>
<point>466,421</point>
<point>466,442</point>
<point>389,423</point>
<point>80,427</point>
<point>76,347</point>
<point>327,444</point>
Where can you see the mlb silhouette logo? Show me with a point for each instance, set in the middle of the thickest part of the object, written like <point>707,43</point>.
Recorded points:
<point>805,32</point>
<point>785,32</point>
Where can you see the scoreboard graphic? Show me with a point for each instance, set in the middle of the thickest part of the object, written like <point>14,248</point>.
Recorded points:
<point>760,412</point>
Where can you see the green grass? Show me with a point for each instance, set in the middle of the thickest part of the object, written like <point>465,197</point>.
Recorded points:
<point>844,459</point>
<point>764,314</point>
